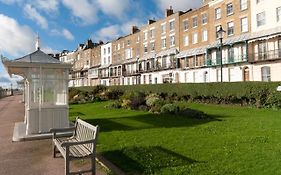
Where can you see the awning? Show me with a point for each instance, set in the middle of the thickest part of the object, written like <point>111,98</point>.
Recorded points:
<point>104,66</point>
<point>148,56</point>
<point>133,60</point>
<point>167,52</point>
<point>231,40</point>
<point>192,52</point>
<point>265,34</point>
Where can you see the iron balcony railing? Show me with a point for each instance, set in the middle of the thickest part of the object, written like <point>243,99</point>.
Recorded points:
<point>268,55</point>
<point>229,60</point>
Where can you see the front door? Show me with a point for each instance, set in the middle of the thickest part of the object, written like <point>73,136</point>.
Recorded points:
<point>246,74</point>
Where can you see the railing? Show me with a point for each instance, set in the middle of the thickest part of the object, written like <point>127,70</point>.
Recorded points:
<point>268,55</point>
<point>230,60</point>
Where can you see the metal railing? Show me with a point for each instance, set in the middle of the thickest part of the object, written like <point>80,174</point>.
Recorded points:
<point>268,55</point>
<point>229,60</point>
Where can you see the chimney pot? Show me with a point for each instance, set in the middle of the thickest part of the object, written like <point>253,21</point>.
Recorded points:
<point>169,12</point>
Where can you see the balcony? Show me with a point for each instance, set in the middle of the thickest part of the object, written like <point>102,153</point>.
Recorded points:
<point>230,60</point>
<point>264,56</point>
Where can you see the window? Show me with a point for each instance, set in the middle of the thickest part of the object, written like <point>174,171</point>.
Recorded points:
<point>279,48</point>
<point>138,39</point>
<point>108,60</point>
<point>104,51</point>
<point>152,32</point>
<point>128,42</point>
<point>145,48</point>
<point>164,61</point>
<point>145,36</point>
<point>164,43</point>
<point>194,22</point>
<point>150,79</point>
<point>229,9</point>
<point>185,25</point>
<point>152,46</point>
<point>172,25</point>
<point>261,19</point>
<point>108,50</point>
<point>244,25</point>
<point>262,51</point>
<point>217,29</point>
<point>258,1</point>
<point>172,41</point>
<point>243,4</point>
<point>230,28</point>
<point>163,28</point>
<point>218,13</point>
<point>205,35</point>
<point>185,41</point>
<point>278,14</point>
<point>265,74</point>
<point>195,38</point>
<point>204,18</point>
<point>230,55</point>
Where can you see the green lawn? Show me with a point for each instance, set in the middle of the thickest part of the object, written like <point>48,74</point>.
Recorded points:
<point>237,141</point>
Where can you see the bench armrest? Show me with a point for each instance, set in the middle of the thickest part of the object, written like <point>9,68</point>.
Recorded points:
<point>67,144</point>
<point>60,130</point>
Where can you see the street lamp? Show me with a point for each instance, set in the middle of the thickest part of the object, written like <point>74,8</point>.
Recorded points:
<point>220,33</point>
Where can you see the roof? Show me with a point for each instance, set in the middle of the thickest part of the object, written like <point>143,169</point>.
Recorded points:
<point>192,52</point>
<point>231,40</point>
<point>167,52</point>
<point>37,57</point>
<point>266,33</point>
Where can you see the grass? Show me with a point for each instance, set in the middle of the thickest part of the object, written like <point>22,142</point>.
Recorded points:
<point>237,141</point>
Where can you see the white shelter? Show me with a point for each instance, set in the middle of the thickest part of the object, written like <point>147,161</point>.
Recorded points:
<point>45,92</point>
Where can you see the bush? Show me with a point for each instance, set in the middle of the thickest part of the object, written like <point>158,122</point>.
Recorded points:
<point>113,94</point>
<point>133,100</point>
<point>114,105</point>
<point>169,109</point>
<point>258,94</point>
<point>152,99</point>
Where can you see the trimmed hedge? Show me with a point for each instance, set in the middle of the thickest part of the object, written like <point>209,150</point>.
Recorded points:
<point>259,94</point>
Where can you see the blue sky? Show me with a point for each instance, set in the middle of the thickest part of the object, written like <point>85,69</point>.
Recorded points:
<point>63,24</point>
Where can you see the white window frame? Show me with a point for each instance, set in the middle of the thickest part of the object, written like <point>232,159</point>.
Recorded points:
<point>185,40</point>
<point>194,22</point>
<point>261,19</point>
<point>218,13</point>
<point>244,26</point>
<point>204,35</point>
<point>229,11</point>
<point>230,28</point>
<point>195,39</point>
<point>243,5</point>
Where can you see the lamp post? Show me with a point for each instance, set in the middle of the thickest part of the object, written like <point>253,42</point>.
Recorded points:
<point>220,33</point>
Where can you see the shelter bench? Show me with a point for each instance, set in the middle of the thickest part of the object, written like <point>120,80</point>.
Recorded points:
<point>81,145</point>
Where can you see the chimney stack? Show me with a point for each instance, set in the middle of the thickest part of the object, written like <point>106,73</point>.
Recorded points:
<point>169,12</point>
<point>135,29</point>
<point>151,21</point>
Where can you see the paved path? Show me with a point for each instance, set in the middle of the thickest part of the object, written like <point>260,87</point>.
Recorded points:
<point>25,158</point>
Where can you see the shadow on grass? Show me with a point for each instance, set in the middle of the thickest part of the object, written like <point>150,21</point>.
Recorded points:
<point>147,121</point>
<point>76,114</point>
<point>146,160</point>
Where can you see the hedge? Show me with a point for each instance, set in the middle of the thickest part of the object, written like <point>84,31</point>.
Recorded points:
<point>259,94</point>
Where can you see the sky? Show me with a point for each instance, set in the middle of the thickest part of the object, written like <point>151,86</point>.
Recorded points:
<point>63,24</point>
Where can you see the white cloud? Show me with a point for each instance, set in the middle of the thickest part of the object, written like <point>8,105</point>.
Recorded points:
<point>34,15</point>
<point>64,33</point>
<point>84,10</point>
<point>46,5</point>
<point>177,5</point>
<point>15,39</point>
<point>49,50</point>
<point>112,32</point>
<point>114,7</point>
<point>108,33</point>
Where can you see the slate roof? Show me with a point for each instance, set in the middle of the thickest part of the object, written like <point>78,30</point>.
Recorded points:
<point>38,57</point>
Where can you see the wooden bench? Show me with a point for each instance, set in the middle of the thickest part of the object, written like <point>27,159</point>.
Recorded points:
<point>81,145</point>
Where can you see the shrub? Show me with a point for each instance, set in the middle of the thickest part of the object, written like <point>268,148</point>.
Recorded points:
<point>133,100</point>
<point>152,99</point>
<point>113,94</point>
<point>169,109</point>
<point>114,105</point>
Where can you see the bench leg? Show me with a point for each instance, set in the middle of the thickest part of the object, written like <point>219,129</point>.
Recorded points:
<point>67,166</point>
<point>93,165</point>
<point>54,151</point>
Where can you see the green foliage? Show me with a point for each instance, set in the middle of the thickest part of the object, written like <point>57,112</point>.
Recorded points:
<point>133,100</point>
<point>169,109</point>
<point>259,94</point>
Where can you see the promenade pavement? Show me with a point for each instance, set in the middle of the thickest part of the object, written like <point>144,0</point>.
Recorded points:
<point>31,157</point>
